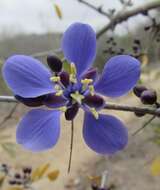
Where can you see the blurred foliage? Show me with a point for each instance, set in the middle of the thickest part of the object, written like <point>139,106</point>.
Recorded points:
<point>155,167</point>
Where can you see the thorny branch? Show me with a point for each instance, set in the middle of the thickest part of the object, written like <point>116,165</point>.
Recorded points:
<point>122,16</point>
<point>108,106</point>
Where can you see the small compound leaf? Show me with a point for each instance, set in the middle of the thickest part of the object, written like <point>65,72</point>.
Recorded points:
<point>58,11</point>
<point>53,175</point>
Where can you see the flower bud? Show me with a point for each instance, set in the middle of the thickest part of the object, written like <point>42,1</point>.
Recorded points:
<point>54,63</point>
<point>149,97</point>
<point>72,112</point>
<point>138,90</point>
<point>138,114</point>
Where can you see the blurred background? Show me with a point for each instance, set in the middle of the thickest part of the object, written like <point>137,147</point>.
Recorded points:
<point>122,27</point>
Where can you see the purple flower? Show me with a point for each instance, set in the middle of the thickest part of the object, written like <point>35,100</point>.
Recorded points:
<point>35,85</point>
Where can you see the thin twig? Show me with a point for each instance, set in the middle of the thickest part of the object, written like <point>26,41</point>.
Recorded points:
<point>9,116</point>
<point>71,146</point>
<point>150,111</point>
<point>145,125</point>
<point>120,17</point>
<point>98,9</point>
<point>108,106</point>
<point>8,99</point>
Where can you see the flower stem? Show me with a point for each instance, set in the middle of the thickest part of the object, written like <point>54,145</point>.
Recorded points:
<point>145,125</point>
<point>71,146</point>
<point>145,110</point>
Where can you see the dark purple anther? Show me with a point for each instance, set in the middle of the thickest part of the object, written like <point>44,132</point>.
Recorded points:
<point>64,78</point>
<point>90,74</point>
<point>31,102</point>
<point>54,63</point>
<point>71,112</point>
<point>95,101</point>
<point>53,101</point>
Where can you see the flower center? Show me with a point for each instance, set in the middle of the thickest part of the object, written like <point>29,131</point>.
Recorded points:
<point>75,91</point>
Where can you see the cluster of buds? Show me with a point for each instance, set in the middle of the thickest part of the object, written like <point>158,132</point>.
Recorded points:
<point>21,178</point>
<point>113,49</point>
<point>154,28</point>
<point>146,96</point>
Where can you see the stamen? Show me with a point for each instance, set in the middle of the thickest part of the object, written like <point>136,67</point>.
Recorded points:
<point>94,112</point>
<point>57,87</point>
<point>73,73</point>
<point>72,78</point>
<point>59,93</point>
<point>77,97</point>
<point>63,109</point>
<point>73,69</point>
<point>91,90</point>
<point>55,78</point>
<point>85,83</point>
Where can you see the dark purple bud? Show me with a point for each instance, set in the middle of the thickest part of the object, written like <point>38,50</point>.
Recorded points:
<point>137,41</point>
<point>94,187</point>
<point>114,43</point>
<point>53,101</point>
<point>4,166</point>
<point>145,13</point>
<point>12,182</point>
<point>27,170</point>
<point>72,112</point>
<point>90,74</point>
<point>111,38</point>
<point>95,101</point>
<point>158,40</point>
<point>64,77</point>
<point>135,48</point>
<point>122,50</point>
<point>149,97</point>
<point>31,102</point>
<point>139,114</point>
<point>147,28</point>
<point>17,176</point>
<point>138,90</point>
<point>54,63</point>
